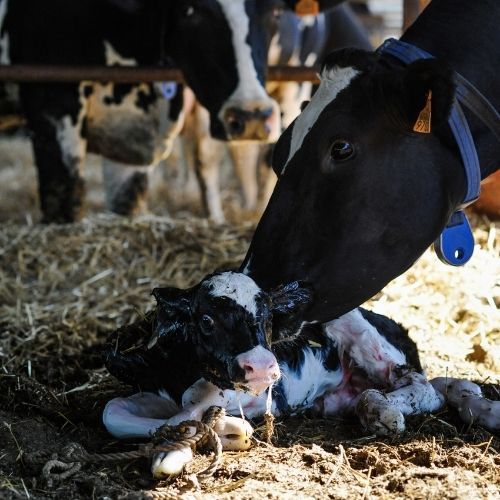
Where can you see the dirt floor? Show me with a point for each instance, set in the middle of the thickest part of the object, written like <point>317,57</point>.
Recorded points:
<point>64,288</point>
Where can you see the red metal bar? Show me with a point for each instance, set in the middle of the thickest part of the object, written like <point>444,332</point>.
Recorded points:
<point>128,74</point>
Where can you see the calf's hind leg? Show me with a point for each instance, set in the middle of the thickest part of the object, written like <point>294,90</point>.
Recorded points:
<point>383,350</point>
<point>468,399</point>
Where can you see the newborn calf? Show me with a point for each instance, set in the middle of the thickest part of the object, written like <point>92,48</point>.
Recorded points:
<point>210,345</point>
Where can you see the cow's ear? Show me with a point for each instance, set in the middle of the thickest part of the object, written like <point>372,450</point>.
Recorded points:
<point>429,91</point>
<point>173,314</point>
<point>350,57</point>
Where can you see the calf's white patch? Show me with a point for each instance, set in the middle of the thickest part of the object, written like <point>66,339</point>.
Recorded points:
<point>236,286</point>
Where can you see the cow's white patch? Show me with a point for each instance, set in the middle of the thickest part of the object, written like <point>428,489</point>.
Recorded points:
<point>249,93</point>
<point>333,81</point>
<point>236,286</point>
<point>304,386</point>
<point>249,86</point>
<point>368,349</point>
<point>113,57</point>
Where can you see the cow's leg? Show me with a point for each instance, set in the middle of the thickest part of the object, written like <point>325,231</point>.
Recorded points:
<point>384,413</point>
<point>245,156</point>
<point>209,156</point>
<point>55,115</point>
<point>468,399</point>
<point>126,187</point>
<point>267,178</point>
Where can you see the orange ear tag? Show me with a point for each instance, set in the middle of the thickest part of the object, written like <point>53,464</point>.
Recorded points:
<point>307,8</point>
<point>423,123</point>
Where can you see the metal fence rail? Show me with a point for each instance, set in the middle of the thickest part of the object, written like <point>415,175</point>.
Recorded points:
<point>129,74</point>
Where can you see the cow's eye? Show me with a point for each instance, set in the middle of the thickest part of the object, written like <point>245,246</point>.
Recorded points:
<point>341,150</point>
<point>207,323</point>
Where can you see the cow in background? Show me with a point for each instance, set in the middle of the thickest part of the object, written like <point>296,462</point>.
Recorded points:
<point>219,45</point>
<point>296,41</point>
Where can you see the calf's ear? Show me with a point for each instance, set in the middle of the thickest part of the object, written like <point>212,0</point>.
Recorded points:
<point>173,313</point>
<point>290,298</point>
<point>288,302</point>
<point>429,91</point>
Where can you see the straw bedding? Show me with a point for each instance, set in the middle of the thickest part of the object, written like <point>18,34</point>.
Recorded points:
<point>63,288</point>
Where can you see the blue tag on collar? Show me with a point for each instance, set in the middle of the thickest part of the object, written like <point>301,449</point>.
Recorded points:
<point>168,89</point>
<point>455,245</point>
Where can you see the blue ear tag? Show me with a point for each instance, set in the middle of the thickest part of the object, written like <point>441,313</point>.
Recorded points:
<point>168,89</point>
<point>455,245</point>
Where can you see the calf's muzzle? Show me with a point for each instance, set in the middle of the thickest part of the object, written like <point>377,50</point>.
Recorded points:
<point>259,367</point>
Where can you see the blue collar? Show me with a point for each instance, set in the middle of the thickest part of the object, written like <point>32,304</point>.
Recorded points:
<point>455,245</point>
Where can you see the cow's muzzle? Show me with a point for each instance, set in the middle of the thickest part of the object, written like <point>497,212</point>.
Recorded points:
<point>253,121</point>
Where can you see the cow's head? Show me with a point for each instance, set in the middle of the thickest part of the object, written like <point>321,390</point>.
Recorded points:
<point>228,319</point>
<point>360,194</point>
<point>221,47</point>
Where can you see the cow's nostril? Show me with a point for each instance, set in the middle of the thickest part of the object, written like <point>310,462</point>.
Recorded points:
<point>236,126</point>
<point>248,368</point>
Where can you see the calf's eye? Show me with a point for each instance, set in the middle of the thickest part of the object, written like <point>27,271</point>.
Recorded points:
<point>341,150</point>
<point>207,323</point>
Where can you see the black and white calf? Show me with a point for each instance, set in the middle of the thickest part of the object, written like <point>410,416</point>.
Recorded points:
<point>219,45</point>
<point>225,341</point>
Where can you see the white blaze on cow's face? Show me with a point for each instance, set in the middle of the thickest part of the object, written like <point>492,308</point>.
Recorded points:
<point>333,81</point>
<point>250,95</point>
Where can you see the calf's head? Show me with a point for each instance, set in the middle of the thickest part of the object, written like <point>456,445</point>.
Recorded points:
<point>228,320</point>
<point>360,194</point>
<point>221,47</point>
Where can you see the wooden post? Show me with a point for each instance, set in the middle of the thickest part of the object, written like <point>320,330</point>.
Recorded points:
<point>411,10</point>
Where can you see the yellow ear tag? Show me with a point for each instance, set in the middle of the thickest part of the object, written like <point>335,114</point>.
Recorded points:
<point>307,8</point>
<point>423,123</point>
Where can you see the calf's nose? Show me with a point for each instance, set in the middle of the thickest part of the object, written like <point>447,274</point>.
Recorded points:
<point>259,364</point>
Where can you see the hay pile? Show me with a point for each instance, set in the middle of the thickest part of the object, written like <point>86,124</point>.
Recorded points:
<point>63,288</point>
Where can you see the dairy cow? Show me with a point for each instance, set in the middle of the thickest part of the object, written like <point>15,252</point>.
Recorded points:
<point>218,44</point>
<point>363,190</point>
<point>296,41</point>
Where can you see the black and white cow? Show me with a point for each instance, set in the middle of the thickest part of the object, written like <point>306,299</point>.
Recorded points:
<point>225,341</point>
<point>219,45</point>
<point>361,195</point>
<point>296,41</point>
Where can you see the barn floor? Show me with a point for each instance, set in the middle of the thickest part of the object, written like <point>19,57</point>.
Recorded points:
<point>63,288</point>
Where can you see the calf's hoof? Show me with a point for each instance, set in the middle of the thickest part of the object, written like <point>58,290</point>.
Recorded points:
<point>171,463</point>
<point>234,433</point>
<point>378,415</point>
